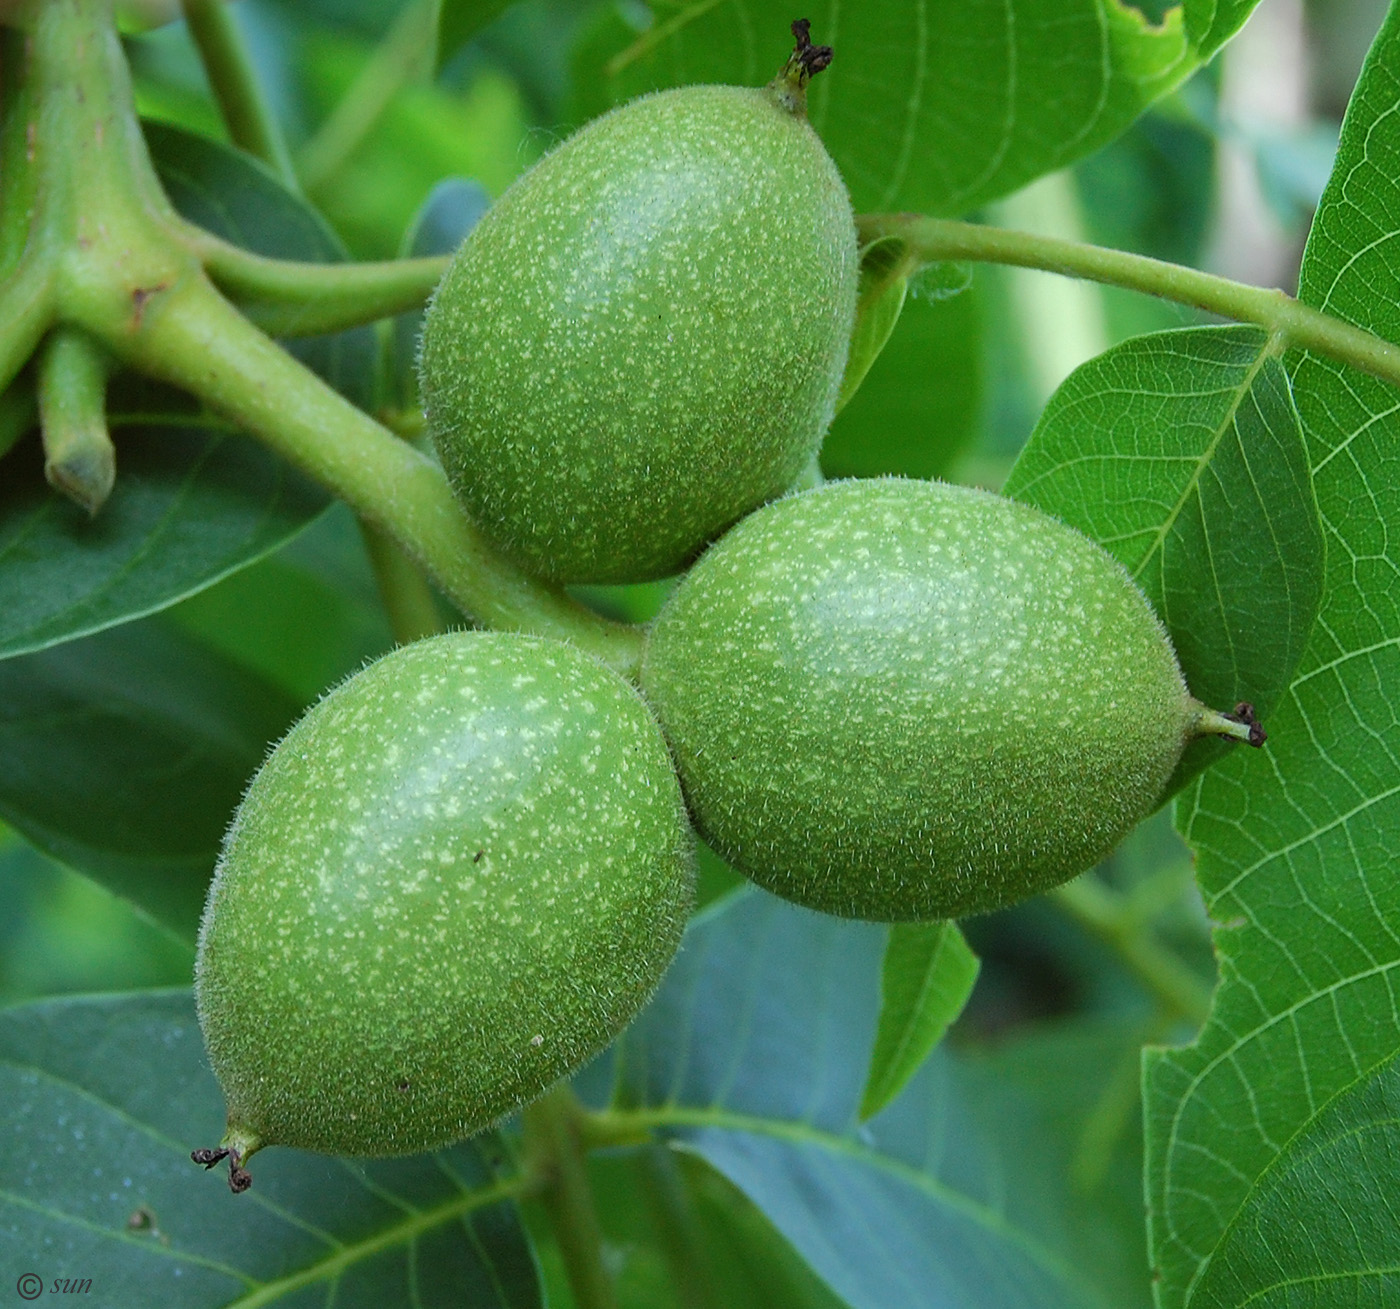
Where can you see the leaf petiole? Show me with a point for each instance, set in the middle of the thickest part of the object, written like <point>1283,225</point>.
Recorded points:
<point>26,312</point>
<point>554,1153</point>
<point>408,600</point>
<point>1108,915</point>
<point>406,52</point>
<point>79,458</point>
<point>289,297</point>
<point>224,54</point>
<point>935,240</point>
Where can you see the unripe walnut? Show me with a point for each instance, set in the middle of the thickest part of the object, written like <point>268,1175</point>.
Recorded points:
<point>644,338</point>
<point>898,700</point>
<point>456,878</point>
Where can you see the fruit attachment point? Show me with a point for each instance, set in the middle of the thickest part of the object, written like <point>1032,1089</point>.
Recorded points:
<point>789,88</point>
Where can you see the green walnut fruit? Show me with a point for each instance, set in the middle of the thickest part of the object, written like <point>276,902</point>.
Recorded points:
<point>645,337</point>
<point>901,700</point>
<point>455,879</point>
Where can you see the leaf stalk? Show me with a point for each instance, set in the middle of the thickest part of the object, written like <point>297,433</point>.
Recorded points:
<point>26,312</point>
<point>247,117</point>
<point>403,590</point>
<point>554,1155</point>
<point>117,263</point>
<point>406,52</point>
<point>934,240</point>
<point>79,458</point>
<point>288,297</point>
<point>1106,914</point>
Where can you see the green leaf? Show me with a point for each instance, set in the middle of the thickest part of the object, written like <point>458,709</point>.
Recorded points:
<point>1348,1148</point>
<point>1181,453</point>
<point>460,20</point>
<point>61,933</point>
<point>931,107</point>
<point>1210,23</point>
<point>752,1056</point>
<point>884,281</point>
<point>1295,844</point>
<point>124,755</point>
<point>101,1100</point>
<point>304,618</point>
<point>192,503</point>
<point>926,979</point>
<point>427,132</point>
<point>921,403</point>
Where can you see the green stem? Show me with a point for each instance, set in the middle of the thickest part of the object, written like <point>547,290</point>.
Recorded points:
<point>26,313</point>
<point>936,239</point>
<point>682,1238</point>
<point>409,424</point>
<point>79,458</point>
<point>407,598</point>
<point>405,52</point>
<point>555,1155</point>
<point>1156,893</point>
<point>18,124</point>
<point>102,224</point>
<point>196,340</point>
<point>246,115</point>
<point>291,298</point>
<point>123,272</point>
<point>1108,915</point>
<point>1112,1113</point>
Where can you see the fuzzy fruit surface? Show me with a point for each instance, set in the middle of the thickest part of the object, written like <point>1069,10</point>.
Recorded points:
<point>899,700</point>
<point>645,337</point>
<point>455,879</point>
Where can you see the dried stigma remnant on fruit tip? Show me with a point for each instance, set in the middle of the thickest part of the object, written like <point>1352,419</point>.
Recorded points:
<point>789,88</point>
<point>453,881</point>
<point>238,1147</point>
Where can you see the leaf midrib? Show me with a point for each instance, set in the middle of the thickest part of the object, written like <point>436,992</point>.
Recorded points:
<point>798,1133</point>
<point>1267,351</point>
<point>333,1265</point>
<point>1285,1158</point>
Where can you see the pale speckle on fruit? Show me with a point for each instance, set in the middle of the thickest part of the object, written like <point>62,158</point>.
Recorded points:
<point>338,958</point>
<point>645,338</point>
<point>893,699</point>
